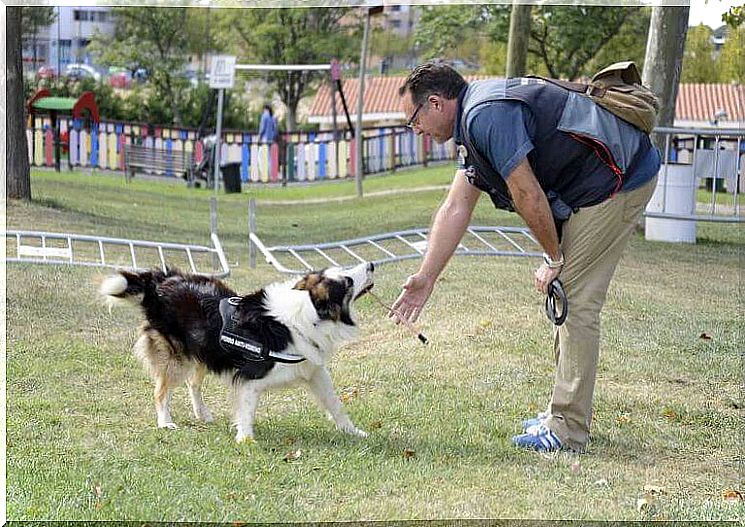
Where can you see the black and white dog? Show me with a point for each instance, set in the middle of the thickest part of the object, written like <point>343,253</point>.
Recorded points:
<point>184,337</point>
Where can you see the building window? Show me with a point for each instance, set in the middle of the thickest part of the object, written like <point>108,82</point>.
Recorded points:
<point>396,24</point>
<point>103,16</point>
<point>395,8</point>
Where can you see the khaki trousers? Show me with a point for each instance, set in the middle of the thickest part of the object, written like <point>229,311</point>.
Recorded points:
<point>592,241</point>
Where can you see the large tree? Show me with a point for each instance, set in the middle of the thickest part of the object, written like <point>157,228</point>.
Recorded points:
<point>295,36</point>
<point>18,183</point>
<point>156,39</point>
<point>565,39</point>
<point>732,57</point>
<point>699,61</point>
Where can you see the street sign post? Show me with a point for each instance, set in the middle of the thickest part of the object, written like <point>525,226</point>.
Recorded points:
<point>222,77</point>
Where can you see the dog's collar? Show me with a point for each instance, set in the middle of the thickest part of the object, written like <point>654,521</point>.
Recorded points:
<point>235,339</point>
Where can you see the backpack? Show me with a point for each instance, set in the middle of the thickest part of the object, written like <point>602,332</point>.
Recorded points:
<point>618,88</point>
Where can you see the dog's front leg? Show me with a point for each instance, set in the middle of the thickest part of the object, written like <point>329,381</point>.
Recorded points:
<point>246,401</point>
<point>323,390</point>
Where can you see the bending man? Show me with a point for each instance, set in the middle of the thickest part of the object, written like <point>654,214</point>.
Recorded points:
<point>577,175</point>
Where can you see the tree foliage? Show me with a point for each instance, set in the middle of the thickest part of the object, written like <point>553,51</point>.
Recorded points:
<point>731,61</point>
<point>699,63</point>
<point>154,39</point>
<point>735,16</point>
<point>295,36</point>
<point>565,41</point>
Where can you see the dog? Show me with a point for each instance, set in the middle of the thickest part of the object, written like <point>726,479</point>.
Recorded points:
<point>280,335</point>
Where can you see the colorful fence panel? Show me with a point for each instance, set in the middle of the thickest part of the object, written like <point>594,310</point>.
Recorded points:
<point>302,156</point>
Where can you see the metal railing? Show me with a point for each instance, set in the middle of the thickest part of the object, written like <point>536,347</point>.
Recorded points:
<point>115,253</point>
<point>392,247</point>
<point>701,158</point>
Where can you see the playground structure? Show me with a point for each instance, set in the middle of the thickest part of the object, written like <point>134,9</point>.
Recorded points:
<point>49,143</point>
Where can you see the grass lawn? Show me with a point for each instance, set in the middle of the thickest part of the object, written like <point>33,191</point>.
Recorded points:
<point>81,436</point>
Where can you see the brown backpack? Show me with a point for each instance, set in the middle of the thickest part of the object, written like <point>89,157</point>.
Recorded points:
<point>618,88</point>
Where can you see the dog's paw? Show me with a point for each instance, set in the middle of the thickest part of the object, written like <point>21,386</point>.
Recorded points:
<point>241,438</point>
<point>168,426</point>
<point>357,432</point>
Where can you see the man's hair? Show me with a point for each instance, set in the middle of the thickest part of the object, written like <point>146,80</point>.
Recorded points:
<point>269,108</point>
<point>432,78</point>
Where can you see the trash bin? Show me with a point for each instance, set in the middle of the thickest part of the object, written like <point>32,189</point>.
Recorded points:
<point>231,177</point>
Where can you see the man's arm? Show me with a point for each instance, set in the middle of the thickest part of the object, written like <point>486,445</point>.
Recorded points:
<point>450,223</point>
<point>531,203</point>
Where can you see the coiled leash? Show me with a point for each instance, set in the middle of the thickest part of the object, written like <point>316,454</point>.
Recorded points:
<point>556,297</point>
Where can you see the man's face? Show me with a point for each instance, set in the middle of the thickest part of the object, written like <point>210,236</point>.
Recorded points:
<point>429,118</point>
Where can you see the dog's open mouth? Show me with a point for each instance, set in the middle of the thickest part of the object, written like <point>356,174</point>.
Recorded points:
<point>364,291</point>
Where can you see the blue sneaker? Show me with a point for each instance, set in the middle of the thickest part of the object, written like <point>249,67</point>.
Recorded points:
<point>535,421</point>
<point>539,438</point>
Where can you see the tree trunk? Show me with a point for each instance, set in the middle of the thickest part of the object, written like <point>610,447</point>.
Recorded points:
<point>663,61</point>
<point>291,117</point>
<point>517,44</point>
<point>17,166</point>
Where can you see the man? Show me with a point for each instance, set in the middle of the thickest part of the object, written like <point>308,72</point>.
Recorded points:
<point>267,126</point>
<point>580,179</point>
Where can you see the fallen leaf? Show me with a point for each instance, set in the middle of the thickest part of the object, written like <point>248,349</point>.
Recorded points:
<point>293,455</point>
<point>98,491</point>
<point>349,393</point>
<point>623,419</point>
<point>654,489</point>
<point>602,482</point>
<point>99,504</point>
<point>704,336</point>
<point>375,425</point>
<point>670,413</point>
<point>409,453</point>
<point>485,323</point>
<point>733,495</point>
<point>645,503</point>
<point>576,468</point>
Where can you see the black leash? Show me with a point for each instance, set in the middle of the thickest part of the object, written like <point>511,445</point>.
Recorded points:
<point>556,298</point>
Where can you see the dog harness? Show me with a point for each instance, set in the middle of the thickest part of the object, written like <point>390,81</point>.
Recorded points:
<point>235,339</point>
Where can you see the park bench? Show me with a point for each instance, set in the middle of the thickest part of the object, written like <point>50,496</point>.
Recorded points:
<point>148,160</point>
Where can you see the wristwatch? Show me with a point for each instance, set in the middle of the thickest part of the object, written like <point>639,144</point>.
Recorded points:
<point>553,264</point>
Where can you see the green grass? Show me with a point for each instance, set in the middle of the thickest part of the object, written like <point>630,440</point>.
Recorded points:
<point>81,440</point>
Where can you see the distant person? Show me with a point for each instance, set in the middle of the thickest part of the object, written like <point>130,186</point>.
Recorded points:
<point>267,126</point>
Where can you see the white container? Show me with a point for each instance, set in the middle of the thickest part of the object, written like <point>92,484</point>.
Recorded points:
<point>676,185</point>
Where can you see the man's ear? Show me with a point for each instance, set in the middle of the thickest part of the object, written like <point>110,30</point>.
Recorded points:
<point>434,101</point>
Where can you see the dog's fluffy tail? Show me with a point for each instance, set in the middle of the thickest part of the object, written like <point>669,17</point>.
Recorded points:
<point>127,287</point>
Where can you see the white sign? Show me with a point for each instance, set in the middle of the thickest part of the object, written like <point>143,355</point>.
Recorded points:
<point>222,72</point>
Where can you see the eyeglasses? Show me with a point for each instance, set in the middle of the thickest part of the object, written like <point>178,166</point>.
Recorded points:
<point>412,122</point>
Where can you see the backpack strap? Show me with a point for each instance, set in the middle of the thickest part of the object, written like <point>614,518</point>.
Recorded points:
<point>579,87</point>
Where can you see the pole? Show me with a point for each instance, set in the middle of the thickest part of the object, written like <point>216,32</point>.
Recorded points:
<point>218,133</point>
<point>360,101</point>
<point>517,43</point>
<point>59,51</point>
<point>335,128</point>
<point>213,228</point>
<point>251,230</point>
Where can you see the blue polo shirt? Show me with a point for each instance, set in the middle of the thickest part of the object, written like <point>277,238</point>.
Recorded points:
<point>503,131</point>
